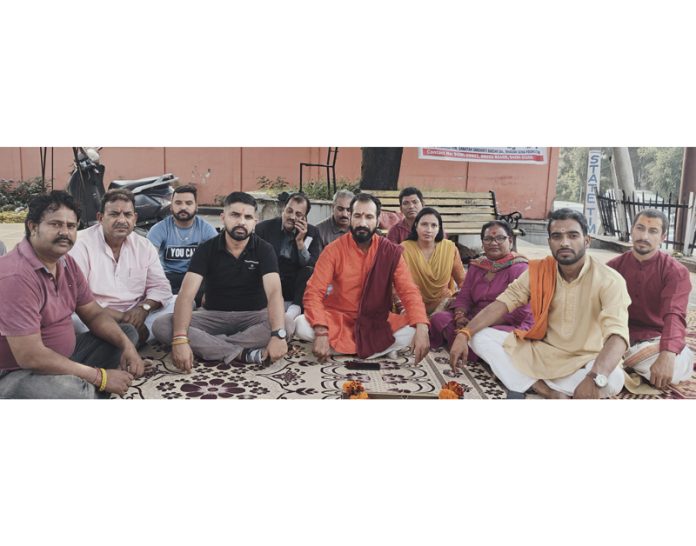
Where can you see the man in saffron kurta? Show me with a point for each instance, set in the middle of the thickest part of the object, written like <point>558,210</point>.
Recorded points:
<point>659,287</point>
<point>334,297</point>
<point>580,327</point>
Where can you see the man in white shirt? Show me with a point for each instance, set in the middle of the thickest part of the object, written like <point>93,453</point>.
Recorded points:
<point>123,269</point>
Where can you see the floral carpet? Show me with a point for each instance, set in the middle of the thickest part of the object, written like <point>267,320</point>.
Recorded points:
<point>300,376</point>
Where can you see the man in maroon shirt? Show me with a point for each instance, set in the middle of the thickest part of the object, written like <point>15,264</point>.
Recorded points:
<point>40,287</point>
<point>659,287</point>
<point>410,202</point>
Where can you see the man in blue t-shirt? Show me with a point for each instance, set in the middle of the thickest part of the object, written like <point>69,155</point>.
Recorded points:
<point>177,236</point>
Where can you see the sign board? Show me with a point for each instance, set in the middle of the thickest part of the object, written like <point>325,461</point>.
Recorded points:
<point>527,155</point>
<point>594,165</point>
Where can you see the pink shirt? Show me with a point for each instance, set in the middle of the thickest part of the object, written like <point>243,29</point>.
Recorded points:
<point>34,301</point>
<point>122,284</point>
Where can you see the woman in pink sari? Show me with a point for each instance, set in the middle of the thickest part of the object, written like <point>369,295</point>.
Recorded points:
<point>487,277</point>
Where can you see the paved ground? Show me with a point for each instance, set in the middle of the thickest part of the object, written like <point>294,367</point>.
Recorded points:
<point>11,234</point>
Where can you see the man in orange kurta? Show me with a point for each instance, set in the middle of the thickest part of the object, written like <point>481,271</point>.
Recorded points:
<point>334,293</point>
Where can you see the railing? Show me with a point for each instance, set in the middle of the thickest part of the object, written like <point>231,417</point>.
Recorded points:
<point>632,205</point>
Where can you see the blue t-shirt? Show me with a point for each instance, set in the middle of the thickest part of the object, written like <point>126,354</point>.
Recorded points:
<point>176,245</point>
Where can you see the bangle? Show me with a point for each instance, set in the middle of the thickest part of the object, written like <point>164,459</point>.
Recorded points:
<point>97,379</point>
<point>179,335</point>
<point>180,342</point>
<point>185,338</point>
<point>321,334</point>
<point>102,386</point>
<point>466,332</point>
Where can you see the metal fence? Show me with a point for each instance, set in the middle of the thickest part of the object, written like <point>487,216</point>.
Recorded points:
<point>609,212</point>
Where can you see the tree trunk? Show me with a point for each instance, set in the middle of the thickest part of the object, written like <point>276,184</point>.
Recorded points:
<point>624,172</point>
<point>380,168</point>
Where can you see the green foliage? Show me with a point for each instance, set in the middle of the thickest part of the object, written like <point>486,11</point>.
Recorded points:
<point>654,169</point>
<point>14,195</point>
<point>659,170</point>
<point>13,217</point>
<point>272,187</point>
<point>318,189</point>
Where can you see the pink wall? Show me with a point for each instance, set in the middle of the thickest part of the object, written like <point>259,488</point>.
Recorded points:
<point>529,189</point>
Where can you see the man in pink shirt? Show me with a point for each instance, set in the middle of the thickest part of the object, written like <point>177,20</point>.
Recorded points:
<point>659,287</point>
<point>40,288</point>
<point>123,269</point>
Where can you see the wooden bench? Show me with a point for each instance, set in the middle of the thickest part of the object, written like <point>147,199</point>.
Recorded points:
<point>463,212</point>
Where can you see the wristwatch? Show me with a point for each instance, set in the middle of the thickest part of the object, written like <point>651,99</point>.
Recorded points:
<point>280,333</point>
<point>599,379</point>
<point>147,307</point>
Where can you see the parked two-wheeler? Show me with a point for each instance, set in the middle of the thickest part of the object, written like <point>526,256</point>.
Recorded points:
<point>153,195</point>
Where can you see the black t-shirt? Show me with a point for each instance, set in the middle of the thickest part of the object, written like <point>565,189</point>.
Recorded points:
<point>234,284</point>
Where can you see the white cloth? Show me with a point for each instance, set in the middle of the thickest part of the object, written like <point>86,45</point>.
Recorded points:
<point>81,327</point>
<point>488,344</point>
<point>683,363</point>
<point>402,337</point>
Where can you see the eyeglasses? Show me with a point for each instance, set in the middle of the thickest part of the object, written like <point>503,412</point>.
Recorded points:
<point>499,239</point>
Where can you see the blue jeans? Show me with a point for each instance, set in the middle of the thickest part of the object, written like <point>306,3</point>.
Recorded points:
<point>89,350</point>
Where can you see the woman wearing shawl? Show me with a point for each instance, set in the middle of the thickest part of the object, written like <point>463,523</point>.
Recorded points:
<point>487,277</point>
<point>433,261</point>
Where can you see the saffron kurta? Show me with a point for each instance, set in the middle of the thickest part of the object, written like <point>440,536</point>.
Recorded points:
<point>584,313</point>
<point>334,291</point>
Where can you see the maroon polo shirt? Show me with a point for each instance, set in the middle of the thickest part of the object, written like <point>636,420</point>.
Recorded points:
<point>34,301</point>
<point>659,288</point>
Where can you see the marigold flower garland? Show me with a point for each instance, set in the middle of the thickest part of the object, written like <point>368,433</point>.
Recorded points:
<point>451,391</point>
<point>354,390</point>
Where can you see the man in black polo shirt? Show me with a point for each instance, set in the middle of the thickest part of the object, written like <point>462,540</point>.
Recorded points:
<point>243,317</point>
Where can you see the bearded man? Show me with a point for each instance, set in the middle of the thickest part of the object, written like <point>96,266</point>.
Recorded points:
<point>178,236</point>
<point>349,297</point>
<point>242,318</point>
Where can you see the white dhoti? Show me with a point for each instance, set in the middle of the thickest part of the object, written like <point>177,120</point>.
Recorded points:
<point>402,337</point>
<point>488,344</point>
<point>641,356</point>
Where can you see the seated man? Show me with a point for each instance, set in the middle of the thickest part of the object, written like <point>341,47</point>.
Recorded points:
<point>339,222</point>
<point>297,246</point>
<point>123,268</point>
<point>177,236</point>
<point>659,287</point>
<point>410,202</point>
<point>243,309</point>
<point>349,297</point>
<point>580,331</point>
<point>40,288</point>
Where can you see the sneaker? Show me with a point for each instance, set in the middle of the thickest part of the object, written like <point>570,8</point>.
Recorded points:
<point>252,356</point>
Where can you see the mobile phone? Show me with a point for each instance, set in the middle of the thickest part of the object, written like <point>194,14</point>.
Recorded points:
<point>360,365</point>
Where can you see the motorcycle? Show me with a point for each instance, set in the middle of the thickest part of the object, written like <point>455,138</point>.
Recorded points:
<point>153,195</point>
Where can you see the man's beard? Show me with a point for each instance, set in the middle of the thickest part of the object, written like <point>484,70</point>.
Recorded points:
<point>362,234</point>
<point>183,215</point>
<point>647,249</point>
<point>569,260</point>
<point>238,233</point>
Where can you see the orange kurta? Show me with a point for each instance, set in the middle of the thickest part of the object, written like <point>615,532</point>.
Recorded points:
<point>344,267</point>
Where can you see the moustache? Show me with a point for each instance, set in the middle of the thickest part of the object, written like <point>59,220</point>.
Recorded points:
<point>66,239</point>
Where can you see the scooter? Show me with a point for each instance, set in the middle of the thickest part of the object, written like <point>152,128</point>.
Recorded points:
<point>153,195</point>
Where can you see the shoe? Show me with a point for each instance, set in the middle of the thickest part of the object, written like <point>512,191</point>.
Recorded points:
<point>251,356</point>
<point>514,395</point>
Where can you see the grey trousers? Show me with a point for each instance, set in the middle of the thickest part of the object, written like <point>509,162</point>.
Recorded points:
<point>222,335</point>
<point>89,349</point>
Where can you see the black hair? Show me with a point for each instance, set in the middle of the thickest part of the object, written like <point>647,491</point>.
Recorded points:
<point>118,194</point>
<point>187,188</point>
<point>49,202</point>
<point>410,191</point>
<point>413,236</point>
<point>299,196</point>
<point>567,214</point>
<point>240,197</point>
<point>366,198</point>
<point>652,213</point>
<point>502,223</point>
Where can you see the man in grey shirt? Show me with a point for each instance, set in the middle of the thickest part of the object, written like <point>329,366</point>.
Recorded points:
<point>339,222</point>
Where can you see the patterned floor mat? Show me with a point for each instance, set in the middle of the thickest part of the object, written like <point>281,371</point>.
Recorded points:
<point>300,376</point>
